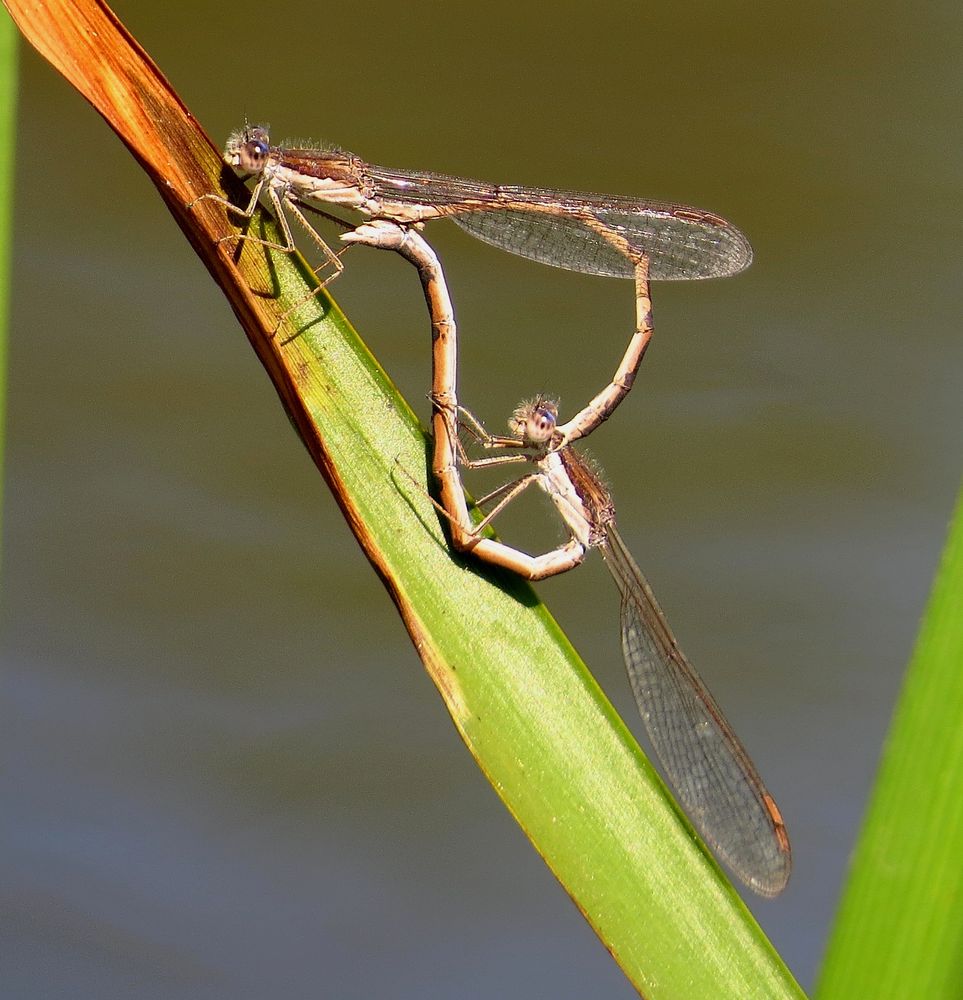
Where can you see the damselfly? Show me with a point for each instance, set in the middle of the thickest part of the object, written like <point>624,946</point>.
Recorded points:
<point>593,233</point>
<point>702,757</point>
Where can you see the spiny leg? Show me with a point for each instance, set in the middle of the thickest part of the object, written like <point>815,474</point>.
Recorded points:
<point>282,206</point>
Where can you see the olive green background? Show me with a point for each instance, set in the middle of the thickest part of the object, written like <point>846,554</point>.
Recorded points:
<point>226,774</point>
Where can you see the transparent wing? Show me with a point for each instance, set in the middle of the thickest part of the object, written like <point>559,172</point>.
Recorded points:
<point>575,230</point>
<point>701,755</point>
<point>679,246</point>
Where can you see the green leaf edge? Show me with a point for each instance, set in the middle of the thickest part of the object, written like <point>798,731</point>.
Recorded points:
<point>899,927</point>
<point>9,65</point>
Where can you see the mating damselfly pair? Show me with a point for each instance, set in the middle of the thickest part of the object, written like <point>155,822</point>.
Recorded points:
<point>595,234</point>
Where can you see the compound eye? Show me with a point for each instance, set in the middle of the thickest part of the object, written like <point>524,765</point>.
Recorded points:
<point>544,423</point>
<point>257,150</point>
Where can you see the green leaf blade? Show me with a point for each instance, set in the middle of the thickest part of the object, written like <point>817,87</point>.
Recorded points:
<point>899,929</point>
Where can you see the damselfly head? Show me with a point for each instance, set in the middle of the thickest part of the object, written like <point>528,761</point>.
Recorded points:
<point>535,421</point>
<point>247,150</point>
